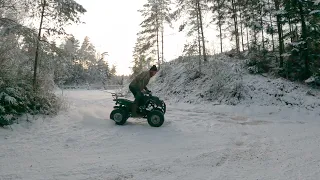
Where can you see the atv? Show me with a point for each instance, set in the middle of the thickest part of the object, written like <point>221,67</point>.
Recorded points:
<point>150,108</point>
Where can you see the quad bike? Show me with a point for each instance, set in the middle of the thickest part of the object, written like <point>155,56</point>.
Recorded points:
<point>150,107</point>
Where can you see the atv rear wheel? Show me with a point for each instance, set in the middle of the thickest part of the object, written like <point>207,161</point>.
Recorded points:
<point>155,118</point>
<point>119,116</point>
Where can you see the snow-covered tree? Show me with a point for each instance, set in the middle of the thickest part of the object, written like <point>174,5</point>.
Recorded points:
<point>192,13</point>
<point>53,16</point>
<point>156,14</point>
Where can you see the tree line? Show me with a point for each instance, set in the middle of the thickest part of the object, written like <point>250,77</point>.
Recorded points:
<point>283,34</point>
<point>77,64</point>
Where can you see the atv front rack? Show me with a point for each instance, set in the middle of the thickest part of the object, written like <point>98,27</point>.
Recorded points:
<point>116,95</point>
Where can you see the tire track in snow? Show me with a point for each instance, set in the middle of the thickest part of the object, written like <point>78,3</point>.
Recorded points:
<point>245,145</point>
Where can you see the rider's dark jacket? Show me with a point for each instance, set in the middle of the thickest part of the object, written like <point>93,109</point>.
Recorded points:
<point>141,80</point>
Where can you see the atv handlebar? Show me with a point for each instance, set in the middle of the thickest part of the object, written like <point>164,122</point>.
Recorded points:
<point>147,92</point>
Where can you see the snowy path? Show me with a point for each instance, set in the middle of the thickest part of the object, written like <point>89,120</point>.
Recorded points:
<point>223,143</point>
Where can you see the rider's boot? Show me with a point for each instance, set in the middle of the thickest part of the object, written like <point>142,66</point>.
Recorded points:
<point>134,110</point>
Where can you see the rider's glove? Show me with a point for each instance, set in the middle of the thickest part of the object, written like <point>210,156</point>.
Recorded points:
<point>147,90</point>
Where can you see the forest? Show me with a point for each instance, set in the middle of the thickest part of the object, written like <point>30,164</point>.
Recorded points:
<point>280,36</point>
<point>37,55</point>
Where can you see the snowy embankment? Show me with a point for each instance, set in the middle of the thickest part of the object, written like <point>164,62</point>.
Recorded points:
<point>224,80</point>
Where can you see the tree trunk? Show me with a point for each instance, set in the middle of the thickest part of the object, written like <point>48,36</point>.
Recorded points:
<point>162,58</point>
<point>220,30</point>
<point>270,15</point>
<point>261,22</point>
<point>162,31</point>
<point>199,38</point>
<point>255,39</point>
<point>304,37</point>
<point>220,26</point>
<point>37,48</point>
<point>248,42</point>
<point>290,29</point>
<point>202,34</point>
<point>277,6</point>
<point>157,34</point>
<point>234,9</point>
<point>296,36</point>
<point>241,31</point>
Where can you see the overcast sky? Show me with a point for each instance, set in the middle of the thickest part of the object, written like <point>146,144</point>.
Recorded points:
<point>112,26</point>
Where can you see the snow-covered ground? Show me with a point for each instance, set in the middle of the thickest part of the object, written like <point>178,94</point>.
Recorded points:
<point>199,141</point>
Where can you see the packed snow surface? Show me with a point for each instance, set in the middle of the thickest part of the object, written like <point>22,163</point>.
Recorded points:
<point>222,142</point>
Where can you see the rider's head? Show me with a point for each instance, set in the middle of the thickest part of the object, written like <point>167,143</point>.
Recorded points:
<point>153,70</point>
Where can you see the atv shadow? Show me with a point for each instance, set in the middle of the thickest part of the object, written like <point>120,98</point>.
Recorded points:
<point>141,122</point>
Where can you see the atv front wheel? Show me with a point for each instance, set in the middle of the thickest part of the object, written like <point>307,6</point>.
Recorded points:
<point>164,107</point>
<point>119,116</point>
<point>155,118</point>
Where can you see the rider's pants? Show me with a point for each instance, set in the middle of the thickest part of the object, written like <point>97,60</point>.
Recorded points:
<point>138,95</point>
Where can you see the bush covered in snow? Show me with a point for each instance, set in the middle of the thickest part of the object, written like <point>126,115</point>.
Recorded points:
<point>17,98</point>
<point>259,62</point>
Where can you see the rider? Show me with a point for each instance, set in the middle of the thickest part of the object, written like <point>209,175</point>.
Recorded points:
<point>138,85</point>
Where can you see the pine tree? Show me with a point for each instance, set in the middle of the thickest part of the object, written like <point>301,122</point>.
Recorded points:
<point>150,29</point>
<point>195,23</point>
<point>219,17</point>
<point>87,53</point>
<point>140,60</point>
<point>113,70</point>
<point>165,18</point>
<point>156,14</point>
<point>233,10</point>
<point>54,12</point>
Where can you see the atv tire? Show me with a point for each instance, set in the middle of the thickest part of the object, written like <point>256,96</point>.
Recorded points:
<point>155,118</point>
<point>164,107</point>
<point>119,116</point>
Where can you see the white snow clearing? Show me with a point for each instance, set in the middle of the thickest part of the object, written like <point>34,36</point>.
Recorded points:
<point>196,142</point>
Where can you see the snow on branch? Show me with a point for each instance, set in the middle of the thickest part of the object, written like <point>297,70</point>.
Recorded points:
<point>316,2</point>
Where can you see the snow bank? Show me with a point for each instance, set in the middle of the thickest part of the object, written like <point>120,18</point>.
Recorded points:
<point>224,80</point>
<point>219,80</point>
